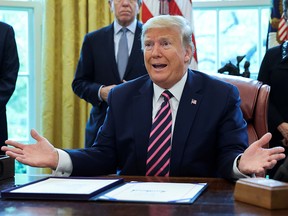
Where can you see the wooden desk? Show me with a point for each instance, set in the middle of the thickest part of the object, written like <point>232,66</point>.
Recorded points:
<point>217,199</point>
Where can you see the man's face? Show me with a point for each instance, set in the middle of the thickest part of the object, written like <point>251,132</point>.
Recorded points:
<point>166,59</point>
<point>125,11</point>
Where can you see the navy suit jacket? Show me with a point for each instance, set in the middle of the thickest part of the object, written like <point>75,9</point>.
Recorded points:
<point>274,72</point>
<point>97,66</point>
<point>9,66</point>
<point>208,135</point>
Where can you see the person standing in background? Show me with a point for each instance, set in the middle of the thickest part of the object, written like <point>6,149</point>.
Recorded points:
<point>97,71</point>
<point>274,72</point>
<point>9,67</point>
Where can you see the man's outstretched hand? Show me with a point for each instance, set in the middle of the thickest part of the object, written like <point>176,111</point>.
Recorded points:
<point>256,159</point>
<point>40,154</point>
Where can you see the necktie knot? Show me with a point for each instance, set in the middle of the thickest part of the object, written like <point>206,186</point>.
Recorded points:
<point>124,30</point>
<point>167,95</point>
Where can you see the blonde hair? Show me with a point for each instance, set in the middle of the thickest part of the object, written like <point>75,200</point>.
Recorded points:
<point>138,1</point>
<point>168,21</point>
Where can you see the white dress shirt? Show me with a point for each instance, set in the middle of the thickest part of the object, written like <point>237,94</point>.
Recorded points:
<point>130,35</point>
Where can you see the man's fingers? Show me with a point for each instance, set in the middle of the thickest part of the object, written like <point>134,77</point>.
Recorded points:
<point>276,150</point>
<point>35,135</point>
<point>264,139</point>
<point>277,157</point>
<point>13,143</point>
<point>15,150</point>
<point>270,165</point>
<point>13,154</point>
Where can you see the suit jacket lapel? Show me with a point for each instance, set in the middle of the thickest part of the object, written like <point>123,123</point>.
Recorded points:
<point>142,115</point>
<point>136,49</point>
<point>188,106</point>
<point>111,50</point>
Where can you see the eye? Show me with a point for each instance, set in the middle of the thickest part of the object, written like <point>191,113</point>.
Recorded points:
<point>165,44</point>
<point>148,45</point>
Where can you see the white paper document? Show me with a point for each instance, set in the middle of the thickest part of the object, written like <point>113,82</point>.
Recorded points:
<point>97,189</point>
<point>65,186</point>
<point>155,192</point>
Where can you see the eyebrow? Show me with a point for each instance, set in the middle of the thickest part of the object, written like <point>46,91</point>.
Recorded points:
<point>159,39</point>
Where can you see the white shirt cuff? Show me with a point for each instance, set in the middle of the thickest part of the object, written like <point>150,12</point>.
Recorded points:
<point>99,95</point>
<point>65,166</point>
<point>236,172</point>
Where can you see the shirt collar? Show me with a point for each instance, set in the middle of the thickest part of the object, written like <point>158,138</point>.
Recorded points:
<point>131,27</point>
<point>176,89</point>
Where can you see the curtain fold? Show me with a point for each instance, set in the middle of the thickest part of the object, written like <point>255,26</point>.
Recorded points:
<point>64,115</point>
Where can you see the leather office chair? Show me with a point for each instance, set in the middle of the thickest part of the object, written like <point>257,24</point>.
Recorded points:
<point>254,103</point>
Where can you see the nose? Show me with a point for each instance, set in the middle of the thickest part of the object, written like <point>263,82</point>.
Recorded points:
<point>125,2</point>
<point>156,52</point>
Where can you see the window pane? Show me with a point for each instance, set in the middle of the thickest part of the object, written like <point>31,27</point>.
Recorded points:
<point>224,33</point>
<point>205,33</point>
<point>17,112</point>
<point>239,36</point>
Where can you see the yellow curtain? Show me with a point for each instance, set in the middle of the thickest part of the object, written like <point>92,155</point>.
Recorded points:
<point>64,115</point>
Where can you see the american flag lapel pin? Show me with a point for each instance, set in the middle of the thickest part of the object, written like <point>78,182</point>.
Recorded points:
<point>193,101</point>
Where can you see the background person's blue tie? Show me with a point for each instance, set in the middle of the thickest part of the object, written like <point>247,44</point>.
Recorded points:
<point>159,148</point>
<point>123,53</point>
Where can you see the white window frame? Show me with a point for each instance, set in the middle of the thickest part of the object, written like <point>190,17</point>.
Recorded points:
<point>35,44</point>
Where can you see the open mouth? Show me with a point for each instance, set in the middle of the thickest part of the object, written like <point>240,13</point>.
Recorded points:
<point>159,66</point>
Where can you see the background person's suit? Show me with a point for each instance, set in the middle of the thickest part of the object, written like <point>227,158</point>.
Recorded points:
<point>208,133</point>
<point>274,72</point>
<point>9,66</point>
<point>97,66</point>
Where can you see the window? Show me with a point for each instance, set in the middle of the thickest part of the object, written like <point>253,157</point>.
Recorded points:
<point>22,106</point>
<point>227,29</point>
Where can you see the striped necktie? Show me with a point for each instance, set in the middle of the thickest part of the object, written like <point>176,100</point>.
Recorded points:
<point>159,148</point>
<point>123,53</point>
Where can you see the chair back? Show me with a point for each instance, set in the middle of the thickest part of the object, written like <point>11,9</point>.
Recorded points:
<point>254,103</point>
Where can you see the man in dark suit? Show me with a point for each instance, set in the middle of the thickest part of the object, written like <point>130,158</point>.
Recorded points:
<point>97,69</point>
<point>274,72</point>
<point>9,66</point>
<point>206,133</point>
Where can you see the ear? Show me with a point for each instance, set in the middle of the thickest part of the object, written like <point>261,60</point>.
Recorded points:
<point>111,5</point>
<point>188,55</point>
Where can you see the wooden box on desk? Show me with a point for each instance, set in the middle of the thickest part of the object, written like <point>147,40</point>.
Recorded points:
<point>267,193</point>
<point>7,167</point>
